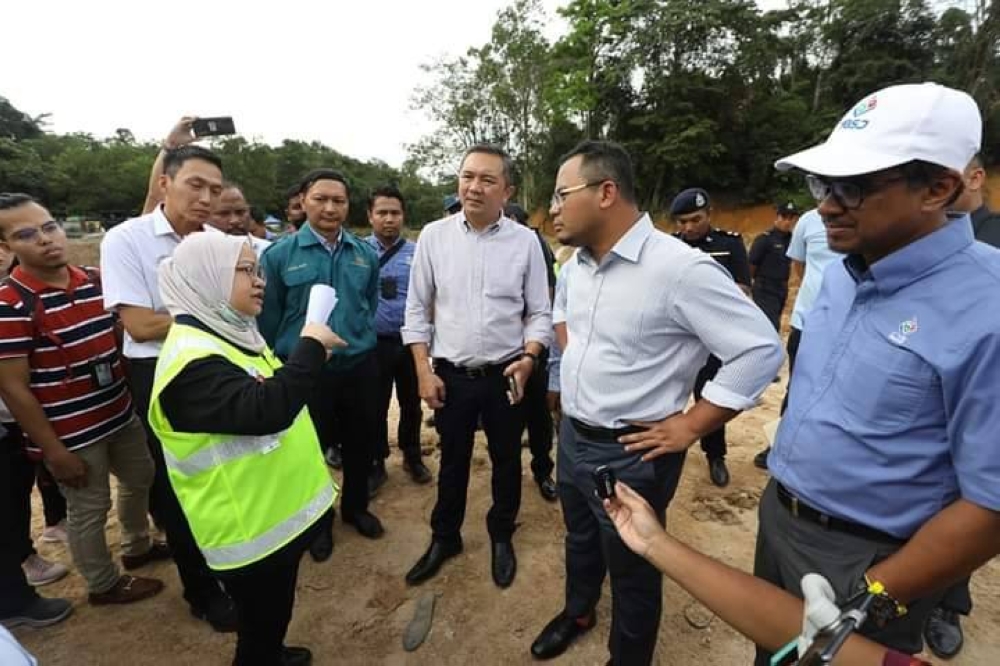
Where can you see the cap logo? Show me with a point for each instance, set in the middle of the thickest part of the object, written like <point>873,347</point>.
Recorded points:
<point>865,106</point>
<point>699,200</point>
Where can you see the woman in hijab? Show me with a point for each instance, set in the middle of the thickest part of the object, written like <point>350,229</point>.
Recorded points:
<point>241,451</point>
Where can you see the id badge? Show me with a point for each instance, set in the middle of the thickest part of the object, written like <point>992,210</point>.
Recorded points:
<point>101,374</point>
<point>389,288</point>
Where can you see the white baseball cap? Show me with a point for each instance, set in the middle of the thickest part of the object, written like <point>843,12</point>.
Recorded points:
<point>896,125</point>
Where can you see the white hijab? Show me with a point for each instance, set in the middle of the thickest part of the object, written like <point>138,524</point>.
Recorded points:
<point>198,281</point>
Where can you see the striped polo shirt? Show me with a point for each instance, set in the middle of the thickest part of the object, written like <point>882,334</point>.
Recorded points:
<point>62,380</point>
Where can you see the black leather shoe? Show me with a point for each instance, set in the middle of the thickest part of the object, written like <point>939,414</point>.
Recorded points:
<point>220,612</point>
<point>377,479</point>
<point>333,458</point>
<point>418,471</point>
<point>559,634</point>
<point>504,563</point>
<point>760,460</point>
<point>366,524</point>
<point>322,546</point>
<point>718,472</point>
<point>547,488</point>
<point>943,633</point>
<point>296,656</point>
<point>430,562</point>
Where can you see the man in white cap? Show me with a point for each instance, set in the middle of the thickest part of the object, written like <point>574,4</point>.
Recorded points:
<point>886,468</point>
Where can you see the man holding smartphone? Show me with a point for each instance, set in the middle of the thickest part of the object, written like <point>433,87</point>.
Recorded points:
<point>478,305</point>
<point>630,362</point>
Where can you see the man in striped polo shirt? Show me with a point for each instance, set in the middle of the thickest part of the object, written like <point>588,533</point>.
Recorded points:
<point>62,379</point>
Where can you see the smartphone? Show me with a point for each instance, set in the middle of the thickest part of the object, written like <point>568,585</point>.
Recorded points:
<point>604,479</point>
<point>513,392</point>
<point>221,126</point>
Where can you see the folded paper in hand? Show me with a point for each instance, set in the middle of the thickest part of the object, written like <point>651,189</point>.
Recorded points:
<point>322,301</point>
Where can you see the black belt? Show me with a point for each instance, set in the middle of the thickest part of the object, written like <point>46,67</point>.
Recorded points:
<point>605,435</point>
<point>800,509</point>
<point>494,369</point>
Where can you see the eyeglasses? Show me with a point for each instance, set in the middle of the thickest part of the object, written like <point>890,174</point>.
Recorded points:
<point>30,235</point>
<point>252,270</point>
<point>559,196</point>
<point>848,193</point>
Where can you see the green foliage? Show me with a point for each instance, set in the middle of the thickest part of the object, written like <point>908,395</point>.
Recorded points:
<point>701,92</point>
<point>77,174</point>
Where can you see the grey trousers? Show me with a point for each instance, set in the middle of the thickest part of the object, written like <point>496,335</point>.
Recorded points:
<point>788,548</point>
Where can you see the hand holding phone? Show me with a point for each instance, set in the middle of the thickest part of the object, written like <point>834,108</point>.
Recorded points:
<point>513,390</point>
<point>219,126</point>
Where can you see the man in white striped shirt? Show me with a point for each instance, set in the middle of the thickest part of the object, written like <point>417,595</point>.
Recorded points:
<point>643,311</point>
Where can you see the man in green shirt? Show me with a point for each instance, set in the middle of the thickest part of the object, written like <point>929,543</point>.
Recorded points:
<point>344,405</point>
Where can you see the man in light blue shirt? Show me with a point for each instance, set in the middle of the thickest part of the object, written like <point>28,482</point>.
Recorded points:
<point>642,312</point>
<point>887,463</point>
<point>386,214</point>
<point>810,255</point>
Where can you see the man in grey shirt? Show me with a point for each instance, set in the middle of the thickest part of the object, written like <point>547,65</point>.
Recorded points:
<point>643,311</point>
<point>478,304</point>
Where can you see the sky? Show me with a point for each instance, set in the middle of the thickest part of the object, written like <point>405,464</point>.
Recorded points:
<point>341,72</point>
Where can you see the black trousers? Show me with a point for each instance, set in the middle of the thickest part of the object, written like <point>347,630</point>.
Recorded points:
<point>264,594</point>
<point>714,443</point>
<point>538,419</point>
<point>53,502</point>
<point>594,548</point>
<point>345,406</point>
<point>771,299</point>
<point>466,400</point>
<point>17,474</point>
<point>395,366</point>
<point>794,337</point>
<point>200,584</point>
<point>790,547</point>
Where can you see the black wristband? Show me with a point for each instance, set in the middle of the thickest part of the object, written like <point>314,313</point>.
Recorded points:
<point>533,357</point>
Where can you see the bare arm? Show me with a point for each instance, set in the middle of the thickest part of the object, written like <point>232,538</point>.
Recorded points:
<point>15,389</point>
<point>733,595</point>
<point>950,546</point>
<point>144,324</point>
<point>179,136</point>
<point>798,270</point>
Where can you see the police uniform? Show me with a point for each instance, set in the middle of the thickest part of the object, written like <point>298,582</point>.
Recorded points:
<point>770,280</point>
<point>727,248</point>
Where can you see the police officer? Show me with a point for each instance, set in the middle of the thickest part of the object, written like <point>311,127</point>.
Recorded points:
<point>691,211</point>
<point>769,264</point>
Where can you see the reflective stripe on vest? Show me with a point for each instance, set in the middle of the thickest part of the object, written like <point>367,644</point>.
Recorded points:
<point>221,453</point>
<point>223,557</point>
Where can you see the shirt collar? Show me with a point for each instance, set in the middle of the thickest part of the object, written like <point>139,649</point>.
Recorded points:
<point>629,246</point>
<point>162,226</point>
<point>308,236</point>
<point>377,244</point>
<point>77,277</point>
<point>908,263</point>
<point>493,228</point>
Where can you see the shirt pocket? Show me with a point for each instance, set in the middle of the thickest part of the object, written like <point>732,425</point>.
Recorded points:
<point>883,384</point>
<point>297,283</point>
<point>505,278</point>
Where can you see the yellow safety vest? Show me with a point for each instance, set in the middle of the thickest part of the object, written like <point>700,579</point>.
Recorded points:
<point>244,496</point>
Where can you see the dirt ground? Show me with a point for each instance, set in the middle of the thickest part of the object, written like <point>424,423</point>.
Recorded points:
<point>353,609</point>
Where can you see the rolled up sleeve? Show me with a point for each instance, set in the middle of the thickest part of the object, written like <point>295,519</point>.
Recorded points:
<point>538,320</point>
<point>417,323</point>
<point>710,305</point>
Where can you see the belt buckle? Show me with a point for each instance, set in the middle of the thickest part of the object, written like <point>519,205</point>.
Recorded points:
<point>795,506</point>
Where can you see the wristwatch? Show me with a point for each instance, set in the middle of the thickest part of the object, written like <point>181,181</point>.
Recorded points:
<point>884,608</point>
